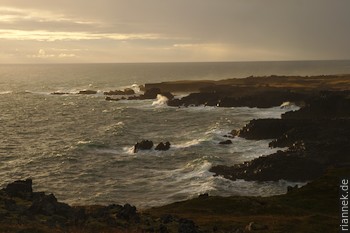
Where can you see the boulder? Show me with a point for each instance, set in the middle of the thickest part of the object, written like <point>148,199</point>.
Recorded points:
<point>48,205</point>
<point>163,146</point>
<point>129,91</point>
<point>128,212</point>
<point>143,145</point>
<point>226,142</point>
<point>187,226</point>
<point>111,99</point>
<point>20,188</point>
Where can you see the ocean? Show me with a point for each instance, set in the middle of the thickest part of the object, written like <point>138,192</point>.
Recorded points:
<point>80,147</point>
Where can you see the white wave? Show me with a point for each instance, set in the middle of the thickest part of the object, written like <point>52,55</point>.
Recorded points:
<point>225,187</point>
<point>83,142</point>
<point>5,92</point>
<point>188,143</point>
<point>161,100</point>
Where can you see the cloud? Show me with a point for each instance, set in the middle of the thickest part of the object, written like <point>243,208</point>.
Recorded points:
<point>42,54</point>
<point>182,30</point>
<point>42,35</point>
<point>17,15</point>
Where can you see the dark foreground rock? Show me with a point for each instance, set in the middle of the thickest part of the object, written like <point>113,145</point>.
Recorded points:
<point>22,210</point>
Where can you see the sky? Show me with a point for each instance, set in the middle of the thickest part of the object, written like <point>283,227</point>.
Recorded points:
<point>107,31</point>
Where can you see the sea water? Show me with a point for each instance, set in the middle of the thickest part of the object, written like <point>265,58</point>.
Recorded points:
<point>80,147</point>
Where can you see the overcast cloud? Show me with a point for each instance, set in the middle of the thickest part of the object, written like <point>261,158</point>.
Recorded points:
<point>168,30</point>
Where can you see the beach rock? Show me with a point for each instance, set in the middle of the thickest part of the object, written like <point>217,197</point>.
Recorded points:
<point>111,99</point>
<point>163,229</point>
<point>128,212</point>
<point>292,166</point>
<point>226,142</point>
<point>234,132</point>
<point>20,188</point>
<point>127,91</point>
<point>163,146</point>
<point>252,226</point>
<point>151,93</point>
<point>167,218</point>
<point>143,145</point>
<point>87,92</point>
<point>187,226</point>
<point>48,205</point>
<point>267,128</point>
<point>116,92</point>
<point>204,195</point>
<point>292,188</point>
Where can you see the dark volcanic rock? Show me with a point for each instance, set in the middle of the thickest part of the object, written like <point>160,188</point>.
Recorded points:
<point>48,205</point>
<point>143,145</point>
<point>226,142</point>
<point>281,165</point>
<point>151,93</point>
<point>267,128</point>
<point>129,213</point>
<point>317,137</point>
<point>163,146</point>
<point>187,226</point>
<point>20,188</point>
<point>127,91</point>
<point>111,99</point>
<point>223,96</point>
<point>87,92</point>
<point>329,104</point>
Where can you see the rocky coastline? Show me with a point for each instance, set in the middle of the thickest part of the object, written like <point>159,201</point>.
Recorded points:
<point>315,148</point>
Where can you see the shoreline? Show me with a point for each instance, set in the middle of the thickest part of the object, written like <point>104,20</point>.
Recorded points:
<point>317,137</point>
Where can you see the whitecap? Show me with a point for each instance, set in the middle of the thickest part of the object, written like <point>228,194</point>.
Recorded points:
<point>5,92</point>
<point>193,142</point>
<point>161,101</point>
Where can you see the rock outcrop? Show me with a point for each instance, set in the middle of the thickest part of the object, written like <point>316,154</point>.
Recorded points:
<point>87,92</point>
<point>163,146</point>
<point>126,91</point>
<point>317,137</point>
<point>143,145</point>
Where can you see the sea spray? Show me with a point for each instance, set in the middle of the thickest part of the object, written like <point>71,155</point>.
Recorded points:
<point>160,101</point>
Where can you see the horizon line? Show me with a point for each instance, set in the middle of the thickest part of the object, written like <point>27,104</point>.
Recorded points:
<point>171,62</point>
